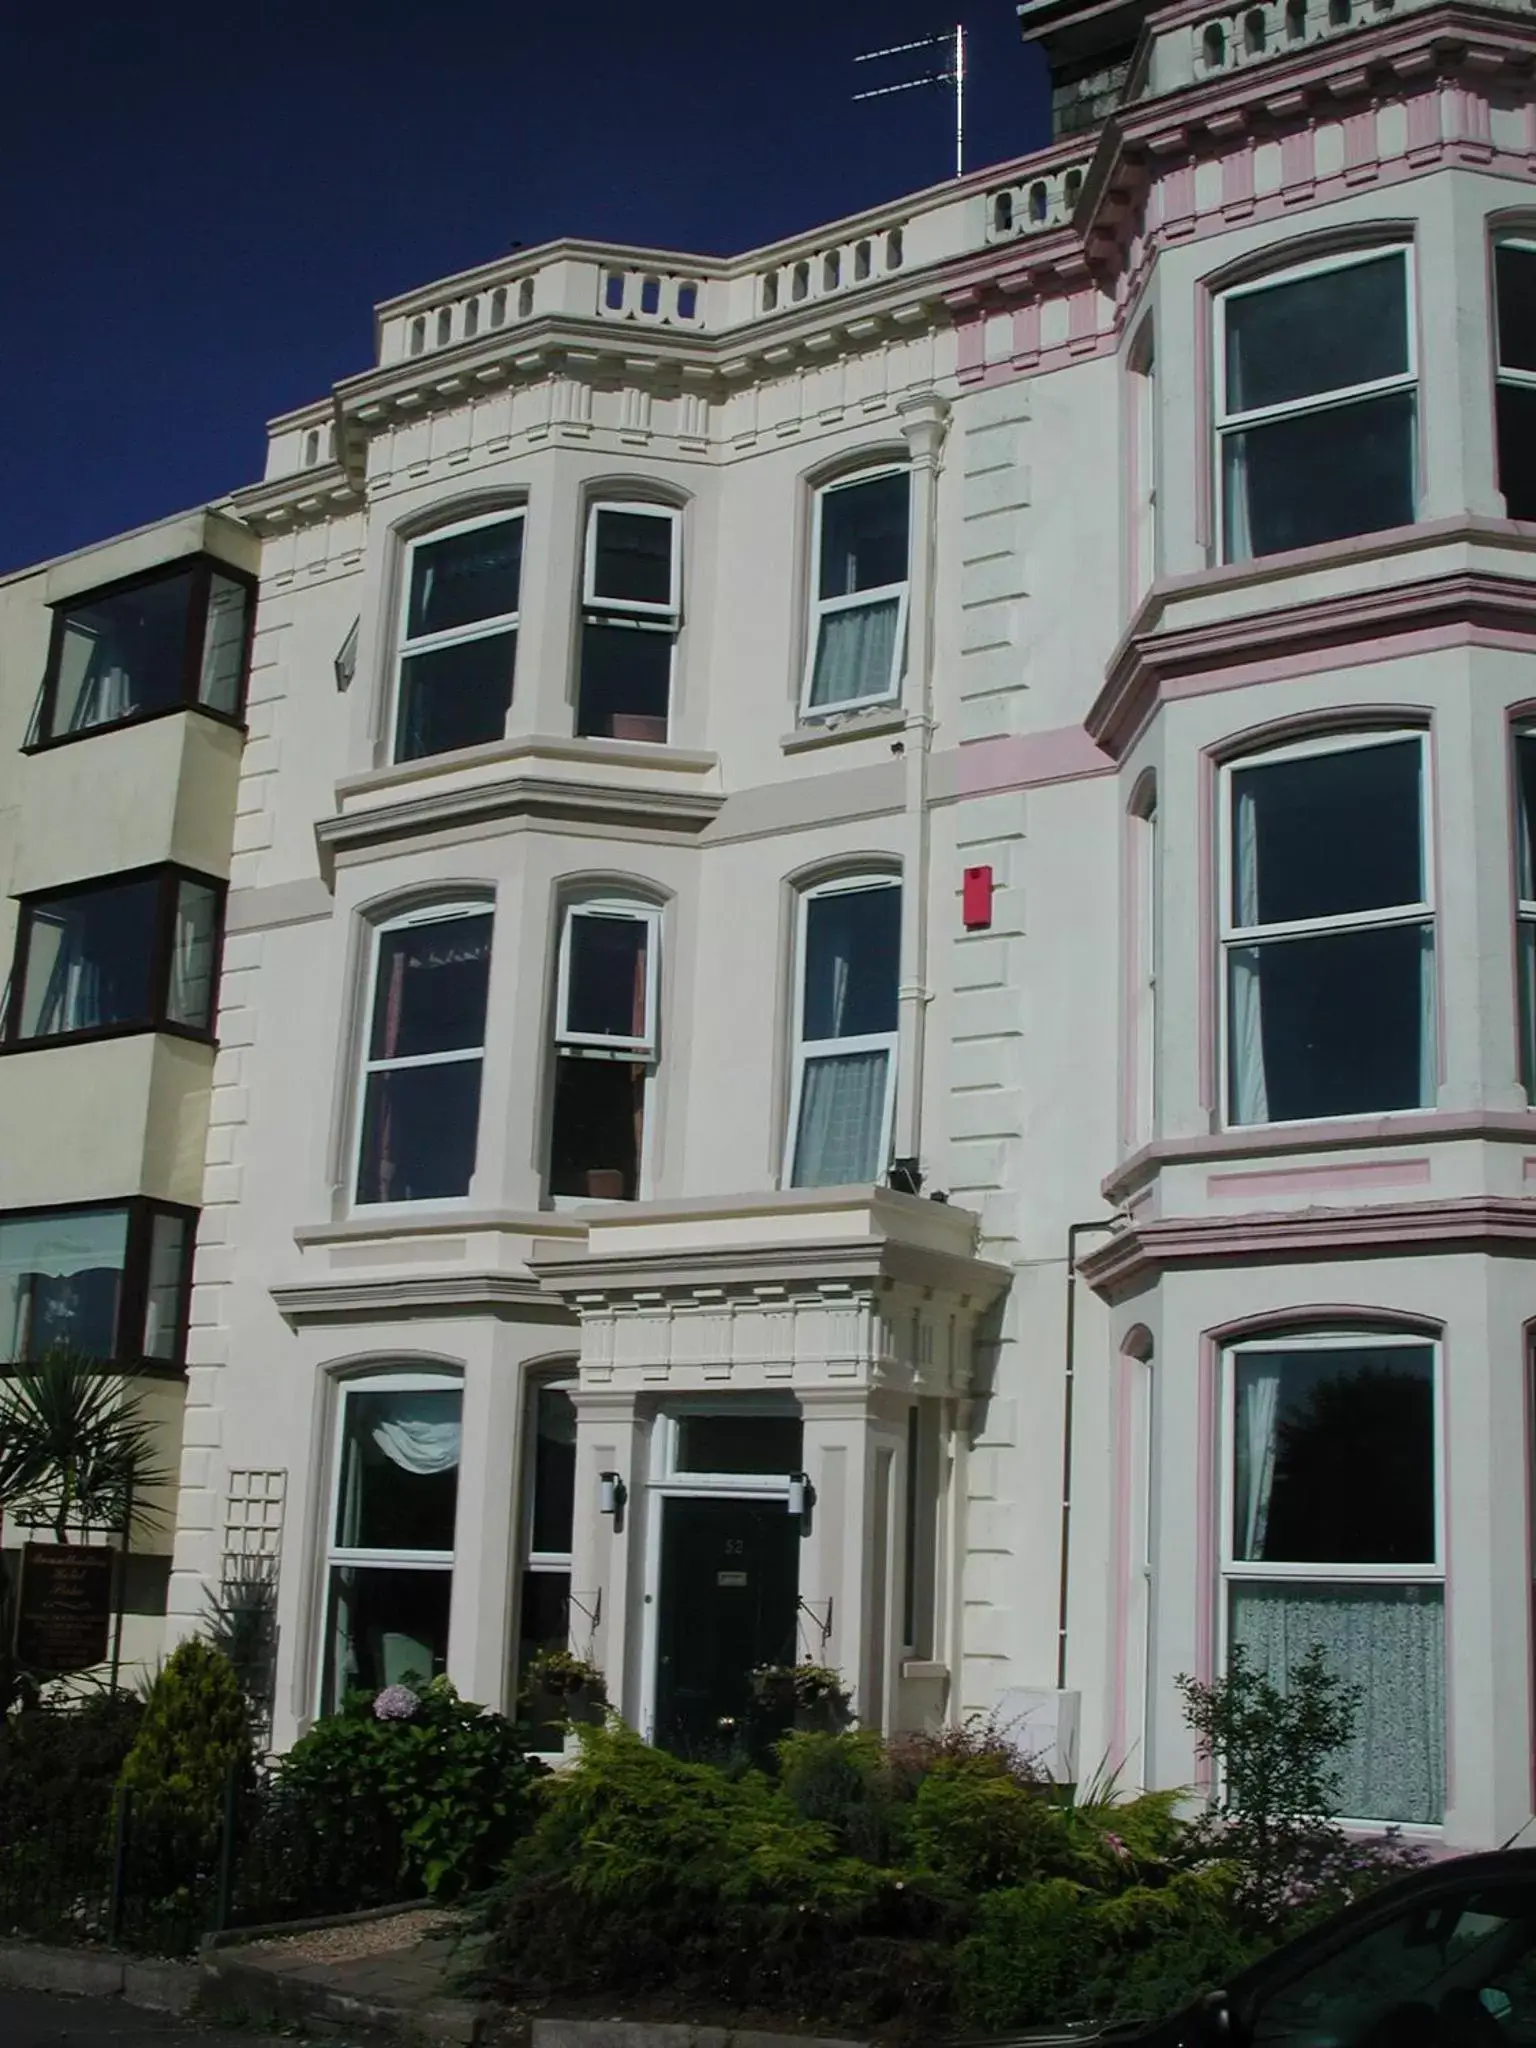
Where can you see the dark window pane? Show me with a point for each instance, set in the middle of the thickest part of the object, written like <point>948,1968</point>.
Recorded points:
<point>387,1625</point>
<point>189,998</point>
<point>1516,421</point>
<point>739,1443</point>
<point>166,1291</point>
<point>633,558</point>
<point>544,1623</point>
<point>864,536</point>
<point>554,1471</point>
<point>852,956</point>
<point>467,577</point>
<point>420,1126</point>
<point>1514,272</point>
<point>1527,971</point>
<point>1335,1026</point>
<point>1525,772</point>
<point>606,995</point>
<point>455,696</point>
<point>1298,482</point>
<point>595,1140</point>
<point>399,1479</point>
<point>1317,334</point>
<point>429,993</point>
<point>626,679</point>
<point>1326,835</point>
<point>124,655</point>
<point>1335,1456</point>
<point>223,662</point>
<point>60,1277</point>
<point>90,960</point>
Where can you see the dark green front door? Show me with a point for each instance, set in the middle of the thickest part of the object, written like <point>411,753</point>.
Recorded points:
<point>730,1582</point>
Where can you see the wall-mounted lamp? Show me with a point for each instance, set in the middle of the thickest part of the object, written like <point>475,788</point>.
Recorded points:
<point>801,1494</point>
<point>610,1493</point>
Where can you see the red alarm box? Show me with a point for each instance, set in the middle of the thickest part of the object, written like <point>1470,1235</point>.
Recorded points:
<point>976,899</point>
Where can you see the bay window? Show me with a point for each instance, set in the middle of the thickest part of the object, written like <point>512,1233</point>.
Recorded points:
<point>1514,277</point>
<point>844,1082</point>
<point>1332,1536</point>
<point>605,1048</point>
<point>631,607</point>
<point>1525,832</point>
<point>110,1279</point>
<point>858,628</point>
<point>129,952</point>
<point>390,1542</point>
<point>173,639</point>
<point>1328,931</point>
<point>1316,404</point>
<point>549,1505</point>
<point>458,635</point>
<point>420,1110</point>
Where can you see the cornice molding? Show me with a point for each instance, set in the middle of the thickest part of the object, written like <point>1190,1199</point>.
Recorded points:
<point>1142,1251</point>
<point>839,1267</point>
<point>503,1295</point>
<point>1477,602</point>
<point>596,807</point>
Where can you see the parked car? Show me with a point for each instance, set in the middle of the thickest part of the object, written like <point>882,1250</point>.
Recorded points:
<point>1443,1958</point>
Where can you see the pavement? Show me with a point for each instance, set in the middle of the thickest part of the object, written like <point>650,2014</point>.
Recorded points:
<point>48,2019</point>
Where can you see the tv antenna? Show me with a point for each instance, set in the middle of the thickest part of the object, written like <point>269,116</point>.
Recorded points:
<point>953,73</point>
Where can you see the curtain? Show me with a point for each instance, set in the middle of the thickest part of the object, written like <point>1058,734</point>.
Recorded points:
<point>417,1436</point>
<point>1258,1405</point>
<point>58,1277</point>
<point>854,652</point>
<point>1429,1064</point>
<point>384,1139</point>
<point>76,994</point>
<point>842,1114</point>
<point>1391,1641</point>
<point>191,990</point>
<point>1245,1023</point>
<point>1239,539</point>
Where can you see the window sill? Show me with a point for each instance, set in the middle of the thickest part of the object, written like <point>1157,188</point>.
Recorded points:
<point>234,720</point>
<point>873,722</point>
<point>105,1031</point>
<point>525,750</point>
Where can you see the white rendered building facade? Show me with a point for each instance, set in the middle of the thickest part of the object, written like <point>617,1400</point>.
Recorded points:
<point>1019,697</point>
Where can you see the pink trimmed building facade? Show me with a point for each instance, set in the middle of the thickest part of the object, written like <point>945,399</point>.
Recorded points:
<point>879,972</point>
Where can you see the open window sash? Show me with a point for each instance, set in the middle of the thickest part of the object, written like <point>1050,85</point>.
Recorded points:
<point>595,598</point>
<point>637,998</point>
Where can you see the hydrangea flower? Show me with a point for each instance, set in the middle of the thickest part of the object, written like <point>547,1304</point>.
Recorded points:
<point>396,1703</point>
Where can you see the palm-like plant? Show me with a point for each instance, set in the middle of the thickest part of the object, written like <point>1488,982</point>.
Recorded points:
<point>76,1450</point>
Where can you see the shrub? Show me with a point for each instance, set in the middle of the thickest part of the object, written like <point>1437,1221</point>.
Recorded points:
<point>59,1767</point>
<point>446,1780</point>
<point>195,1732</point>
<point>976,1825</point>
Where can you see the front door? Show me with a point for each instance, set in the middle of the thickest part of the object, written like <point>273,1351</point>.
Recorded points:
<point>730,1583</point>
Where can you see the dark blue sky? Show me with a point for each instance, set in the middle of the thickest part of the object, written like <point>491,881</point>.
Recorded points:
<point>202,204</point>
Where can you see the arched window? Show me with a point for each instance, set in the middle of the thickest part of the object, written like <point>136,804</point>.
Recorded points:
<point>1332,1535</point>
<point>1514,277</point>
<point>1317,403</point>
<point>860,548</point>
<point>1328,930</point>
<point>458,635</point>
<point>606,1002</point>
<point>389,1541</point>
<point>419,1110</point>
<point>843,1087</point>
<point>631,598</point>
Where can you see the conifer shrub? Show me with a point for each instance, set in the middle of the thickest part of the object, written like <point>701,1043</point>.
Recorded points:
<point>195,1734</point>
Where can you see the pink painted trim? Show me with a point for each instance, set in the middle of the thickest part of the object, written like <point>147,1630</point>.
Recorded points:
<point>1207,1006</point>
<point>1363,1173</point>
<point>1120,1540</point>
<point>1389,1230</point>
<point>1528,1168</point>
<point>1026,335</point>
<point>1130,969</point>
<point>1448,1591</point>
<point>1025,760</point>
<point>1437,841</point>
<point>971,345</point>
<point>1519,717</point>
<point>1208,1588</point>
<point>1323,1315</point>
<point>1205,452</point>
<point>1262,1141</point>
<point>1056,358</point>
<point>1528,1347</point>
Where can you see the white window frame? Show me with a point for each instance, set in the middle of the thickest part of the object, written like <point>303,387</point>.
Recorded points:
<point>823,607</point>
<point>1236,1571</point>
<point>333,1553</point>
<point>439,913</point>
<point>807,1049</point>
<point>1145,447</point>
<point>1524,380</point>
<point>1232,935</point>
<point>428,643</point>
<point>1227,423</point>
<point>636,609</point>
<point>1525,906</point>
<point>642,1048</point>
<point>1145,850</point>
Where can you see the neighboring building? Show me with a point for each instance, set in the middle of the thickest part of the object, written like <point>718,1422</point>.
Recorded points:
<point>1021,696</point>
<point>122,673</point>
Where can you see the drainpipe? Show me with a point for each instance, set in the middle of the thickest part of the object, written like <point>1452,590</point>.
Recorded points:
<point>1069,1387</point>
<point>924,420</point>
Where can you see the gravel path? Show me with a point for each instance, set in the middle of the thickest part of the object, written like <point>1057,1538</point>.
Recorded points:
<point>362,1938</point>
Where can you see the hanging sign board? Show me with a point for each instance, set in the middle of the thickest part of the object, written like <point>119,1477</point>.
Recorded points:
<point>63,1617</point>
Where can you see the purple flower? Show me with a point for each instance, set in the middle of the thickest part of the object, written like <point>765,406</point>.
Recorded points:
<point>396,1703</point>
